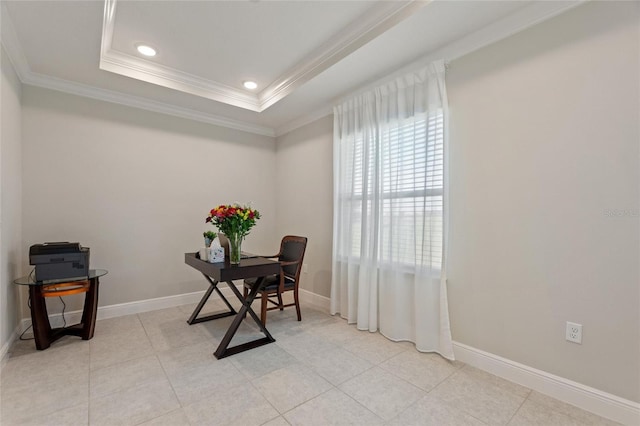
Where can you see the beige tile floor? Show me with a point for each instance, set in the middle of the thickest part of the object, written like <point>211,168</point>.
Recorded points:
<point>154,369</point>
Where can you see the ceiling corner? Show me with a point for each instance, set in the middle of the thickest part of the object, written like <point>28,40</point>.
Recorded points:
<point>11,44</point>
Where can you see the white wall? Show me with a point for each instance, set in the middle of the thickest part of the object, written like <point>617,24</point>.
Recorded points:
<point>135,187</point>
<point>11,200</point>
<point>544,137</point>
<point>304,191</point>
<point>544,142</point>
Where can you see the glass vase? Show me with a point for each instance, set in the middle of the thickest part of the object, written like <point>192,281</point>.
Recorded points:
<point>235,249</point>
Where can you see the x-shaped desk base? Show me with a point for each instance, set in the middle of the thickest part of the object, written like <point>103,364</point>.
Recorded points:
<point>223,348</point>
<point>250,267</point>
<point>193,319</point>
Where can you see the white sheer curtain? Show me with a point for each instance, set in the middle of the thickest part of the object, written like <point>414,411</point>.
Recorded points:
<point>389,226</point>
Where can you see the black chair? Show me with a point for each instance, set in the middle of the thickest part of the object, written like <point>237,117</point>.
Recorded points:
<point>290,257</point>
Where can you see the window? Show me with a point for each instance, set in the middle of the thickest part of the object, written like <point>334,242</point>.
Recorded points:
<point>400,170</point>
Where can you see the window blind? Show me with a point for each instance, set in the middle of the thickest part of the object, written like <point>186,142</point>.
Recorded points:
<point>404,165</point>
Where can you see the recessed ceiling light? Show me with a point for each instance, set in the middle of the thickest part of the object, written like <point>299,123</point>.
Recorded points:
<point>251,85</point>
<point>146,50</point>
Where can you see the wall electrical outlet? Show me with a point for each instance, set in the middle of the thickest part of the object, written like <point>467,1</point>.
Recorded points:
<point>574,332</point>
<point>305,268</point>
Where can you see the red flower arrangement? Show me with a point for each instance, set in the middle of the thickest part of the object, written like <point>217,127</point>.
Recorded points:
<point>233,220</point>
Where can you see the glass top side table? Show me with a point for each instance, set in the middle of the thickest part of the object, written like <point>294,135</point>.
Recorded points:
<point>30,280</point>
<point>42,332</point>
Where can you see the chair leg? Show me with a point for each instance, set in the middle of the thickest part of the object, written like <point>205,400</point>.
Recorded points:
<point>295,298</point>
<point>280,305</point>
<point>263,310</point>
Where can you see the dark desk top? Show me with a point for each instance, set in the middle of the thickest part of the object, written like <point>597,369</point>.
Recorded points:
<point>224,271</point>
<point>30,279</point>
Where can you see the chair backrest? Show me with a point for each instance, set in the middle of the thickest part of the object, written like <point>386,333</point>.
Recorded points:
<point>292,249</point>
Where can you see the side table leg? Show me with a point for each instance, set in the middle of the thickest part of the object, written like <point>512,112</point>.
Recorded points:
<point>90,309</point>
<point>39,318</point>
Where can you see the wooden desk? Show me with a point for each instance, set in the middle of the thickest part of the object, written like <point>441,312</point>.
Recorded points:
<point>43,334</point>
<point>214,273</point>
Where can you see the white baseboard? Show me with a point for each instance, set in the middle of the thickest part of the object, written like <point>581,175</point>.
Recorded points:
<point>316,300</point>
<point>122,309</point>
<point>141,306</point>
<point>5,348</point>
<point>598,402</point>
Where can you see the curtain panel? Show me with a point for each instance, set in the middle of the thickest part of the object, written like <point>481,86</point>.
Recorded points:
<point>390,205</point>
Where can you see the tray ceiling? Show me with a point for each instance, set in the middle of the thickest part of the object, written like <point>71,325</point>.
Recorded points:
<point>213,48</point>
<point>304,55</point>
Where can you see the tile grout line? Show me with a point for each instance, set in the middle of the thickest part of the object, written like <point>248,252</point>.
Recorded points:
<point>458,371</point>
<point>155,352</point>
<point>427,391</point>
<point>172,390</point>
<point>304,402</point>
<point>265,398</point>
<point>552,409</point>
<point>519,407</point>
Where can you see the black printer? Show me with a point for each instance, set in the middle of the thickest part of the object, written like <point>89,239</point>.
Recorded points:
<point>59,261</point>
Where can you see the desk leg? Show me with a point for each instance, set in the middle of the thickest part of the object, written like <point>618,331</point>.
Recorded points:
<point>247,304</point>
<point>213,285</point>
<point>90,310</point>
<point>39,318</point>
<point>223,349</point>
<point>224,299</point>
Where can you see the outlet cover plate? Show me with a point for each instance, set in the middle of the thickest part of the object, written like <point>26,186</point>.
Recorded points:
<point>574,332</point>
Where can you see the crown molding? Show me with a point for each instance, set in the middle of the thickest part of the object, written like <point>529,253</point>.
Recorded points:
<point>48,82</point>
<point>304,120</point>
<point>378,20</point>
<point>161,75</point>
<point>11,43</point>
<point>512,24</point>
<point>164,76</point>
<point>381,18</point>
